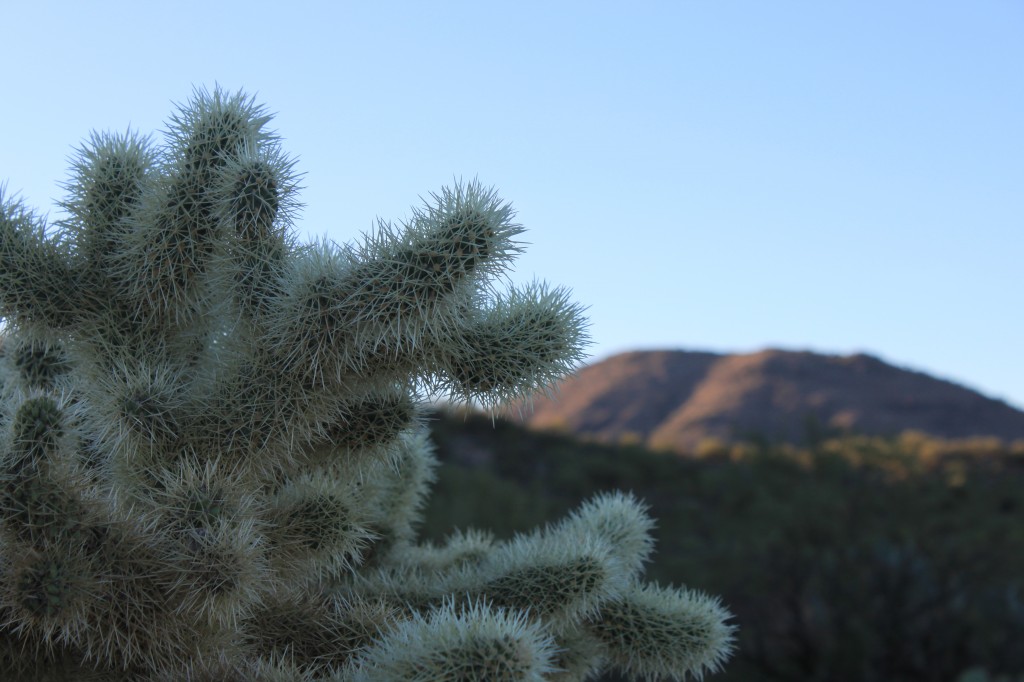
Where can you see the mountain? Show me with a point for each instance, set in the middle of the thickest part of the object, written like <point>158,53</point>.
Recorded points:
<point>675,399</point>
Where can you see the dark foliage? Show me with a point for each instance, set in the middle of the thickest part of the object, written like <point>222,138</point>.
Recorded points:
<point>853,559</point>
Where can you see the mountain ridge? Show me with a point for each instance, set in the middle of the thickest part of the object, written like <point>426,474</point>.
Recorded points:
<point>675,399</point>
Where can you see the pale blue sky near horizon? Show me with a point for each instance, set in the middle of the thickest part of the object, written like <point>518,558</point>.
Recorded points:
<point>730,176</point>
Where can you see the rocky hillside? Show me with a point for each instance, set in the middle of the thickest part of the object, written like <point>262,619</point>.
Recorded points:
<point>676,399</point>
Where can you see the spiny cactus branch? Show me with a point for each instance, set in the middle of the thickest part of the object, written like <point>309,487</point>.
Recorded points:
<point>212,455</point>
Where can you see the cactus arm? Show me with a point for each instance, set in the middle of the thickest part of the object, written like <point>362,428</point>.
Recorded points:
<point>212,456</point>
<point>37,280</point>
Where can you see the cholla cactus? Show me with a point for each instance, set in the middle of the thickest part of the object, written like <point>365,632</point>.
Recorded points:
<point>212,462</point>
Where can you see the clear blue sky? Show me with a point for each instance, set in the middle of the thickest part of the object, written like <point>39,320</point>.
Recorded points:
<point>827,175</point>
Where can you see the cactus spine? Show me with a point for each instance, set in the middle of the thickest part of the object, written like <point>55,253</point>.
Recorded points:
<point>211,455</point>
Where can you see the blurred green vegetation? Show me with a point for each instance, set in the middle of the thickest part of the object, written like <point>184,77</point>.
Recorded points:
<point>847,559</point>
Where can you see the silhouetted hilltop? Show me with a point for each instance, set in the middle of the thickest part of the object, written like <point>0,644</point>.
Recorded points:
<point>676,399</point>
